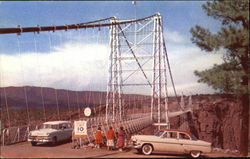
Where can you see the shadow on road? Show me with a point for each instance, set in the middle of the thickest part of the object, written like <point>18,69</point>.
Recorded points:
<point>51,145</point>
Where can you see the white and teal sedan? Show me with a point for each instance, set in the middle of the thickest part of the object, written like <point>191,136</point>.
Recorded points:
<point>51,132</point>
<point>171,141</point>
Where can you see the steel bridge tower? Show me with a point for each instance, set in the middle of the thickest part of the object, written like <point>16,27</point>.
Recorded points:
<point>139,44</point>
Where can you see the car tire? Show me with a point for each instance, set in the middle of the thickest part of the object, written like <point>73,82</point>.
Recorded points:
<point>147,149</point>
<point>195,154</point>
<point>54,141</point>
<point>139,151</point>
<point>33,143</point>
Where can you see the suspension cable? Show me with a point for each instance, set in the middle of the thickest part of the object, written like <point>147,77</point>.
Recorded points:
<point>72,26</point>
<point>57,105</point>
<point>39,74</point>
<point>5,94</point>
<point>169,68</point>
<point>24,87</point>
<point>63,72</point>
<point>7,106</point>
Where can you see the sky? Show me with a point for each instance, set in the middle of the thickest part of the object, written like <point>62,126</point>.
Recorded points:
<point>78,59</point>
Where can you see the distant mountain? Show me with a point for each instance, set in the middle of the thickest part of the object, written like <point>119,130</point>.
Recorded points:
<point>35,97</point>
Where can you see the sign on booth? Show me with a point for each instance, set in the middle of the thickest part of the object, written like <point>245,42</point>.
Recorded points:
<point>80,128</point>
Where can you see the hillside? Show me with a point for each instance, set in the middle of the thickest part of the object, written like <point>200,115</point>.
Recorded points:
<point>215,118</point>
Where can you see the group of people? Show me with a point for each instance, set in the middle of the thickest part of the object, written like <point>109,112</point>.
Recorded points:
<point>111,137</point>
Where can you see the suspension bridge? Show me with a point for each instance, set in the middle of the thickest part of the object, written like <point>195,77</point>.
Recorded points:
<point>138,66</point>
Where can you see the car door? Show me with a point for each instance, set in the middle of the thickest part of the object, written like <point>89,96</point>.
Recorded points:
<point>60,133</point>
<point>185,141</point>
<point>169,142</point>
<point>68,131</point>
<point>64,132</point>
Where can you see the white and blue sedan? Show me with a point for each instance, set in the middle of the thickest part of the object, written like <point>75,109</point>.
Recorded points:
<point>51,132</point>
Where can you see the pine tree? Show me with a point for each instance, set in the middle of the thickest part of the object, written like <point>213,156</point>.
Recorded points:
<point>233,75</point>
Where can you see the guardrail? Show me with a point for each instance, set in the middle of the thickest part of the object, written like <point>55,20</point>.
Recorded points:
<point>131,124</point>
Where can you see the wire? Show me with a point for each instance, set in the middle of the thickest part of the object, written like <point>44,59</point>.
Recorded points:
<point>5,95</point>
<point>169,68</point>
<point>39,74</point>
<point>24,87</point>
<point>56,96</point>
<point>63,72</point>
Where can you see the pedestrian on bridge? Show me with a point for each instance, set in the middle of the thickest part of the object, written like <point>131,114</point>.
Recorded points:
<point>121,138</point>
<point>110,138</point>
<point>98,137</point>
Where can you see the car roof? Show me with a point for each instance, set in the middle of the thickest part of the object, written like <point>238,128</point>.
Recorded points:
<point>57,122</point>
<point>177,130</point>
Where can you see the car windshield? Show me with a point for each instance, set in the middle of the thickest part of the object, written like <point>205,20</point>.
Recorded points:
<point>49,126</point>
<point>159,133</point>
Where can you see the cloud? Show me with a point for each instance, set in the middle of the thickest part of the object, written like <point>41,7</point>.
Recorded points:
<point>76,66</point>
<point>72,66</point>
<point>184,60</point>
<point>174,37</point>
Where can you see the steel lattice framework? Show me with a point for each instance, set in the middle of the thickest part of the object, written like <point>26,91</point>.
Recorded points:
<point>145,48</point>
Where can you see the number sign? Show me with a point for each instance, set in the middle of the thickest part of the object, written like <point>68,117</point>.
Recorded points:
<point>80,128</point>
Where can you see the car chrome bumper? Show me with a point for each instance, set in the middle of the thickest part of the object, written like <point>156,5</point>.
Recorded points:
<point>39,139</point>
<point>137,145</point>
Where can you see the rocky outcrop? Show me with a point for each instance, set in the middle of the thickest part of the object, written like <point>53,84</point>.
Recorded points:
<point>217,120</point>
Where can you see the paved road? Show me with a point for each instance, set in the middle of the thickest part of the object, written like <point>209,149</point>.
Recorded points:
<point>63,150</point>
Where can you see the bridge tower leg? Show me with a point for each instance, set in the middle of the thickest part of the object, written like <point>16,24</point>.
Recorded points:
<point>113,98</point>
<point>159,96</point>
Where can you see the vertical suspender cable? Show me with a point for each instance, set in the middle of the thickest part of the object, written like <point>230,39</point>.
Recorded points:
<point>97,103</point>
<point>77,102</point>
<point>24,87</point>
<point>5,97</point>
<point>57,106</point>
<point>77,97</point>
<point>63,72</point>
<point>110,74</point>
<point>166,91</point>
<point>120,82</point>
<point>169,68</point>
<point>39,74</point>
<point>7,106</point>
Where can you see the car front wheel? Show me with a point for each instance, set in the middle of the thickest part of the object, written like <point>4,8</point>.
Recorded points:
<point>139,151</point>
<point>54,141</point>
<point>195,154</point>
<point>33,143</point>
<point>147,149</point>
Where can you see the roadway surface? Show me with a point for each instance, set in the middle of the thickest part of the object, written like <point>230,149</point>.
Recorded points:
<point>64,150</point>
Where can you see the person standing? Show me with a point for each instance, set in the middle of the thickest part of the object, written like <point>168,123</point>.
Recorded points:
<point>110,138</point>
<point>121,138</point>
<point>98,137</point>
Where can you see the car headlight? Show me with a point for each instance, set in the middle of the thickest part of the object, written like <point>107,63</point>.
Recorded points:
<point>133,138</point>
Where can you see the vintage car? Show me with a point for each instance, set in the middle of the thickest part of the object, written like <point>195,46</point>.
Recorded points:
<point>51,132</point>
<point>171,141</point>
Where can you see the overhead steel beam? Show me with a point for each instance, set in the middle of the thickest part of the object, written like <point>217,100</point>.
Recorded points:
<point>20,29</point>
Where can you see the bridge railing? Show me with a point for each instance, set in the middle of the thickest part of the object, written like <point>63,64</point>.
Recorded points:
<point>131,124</point>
